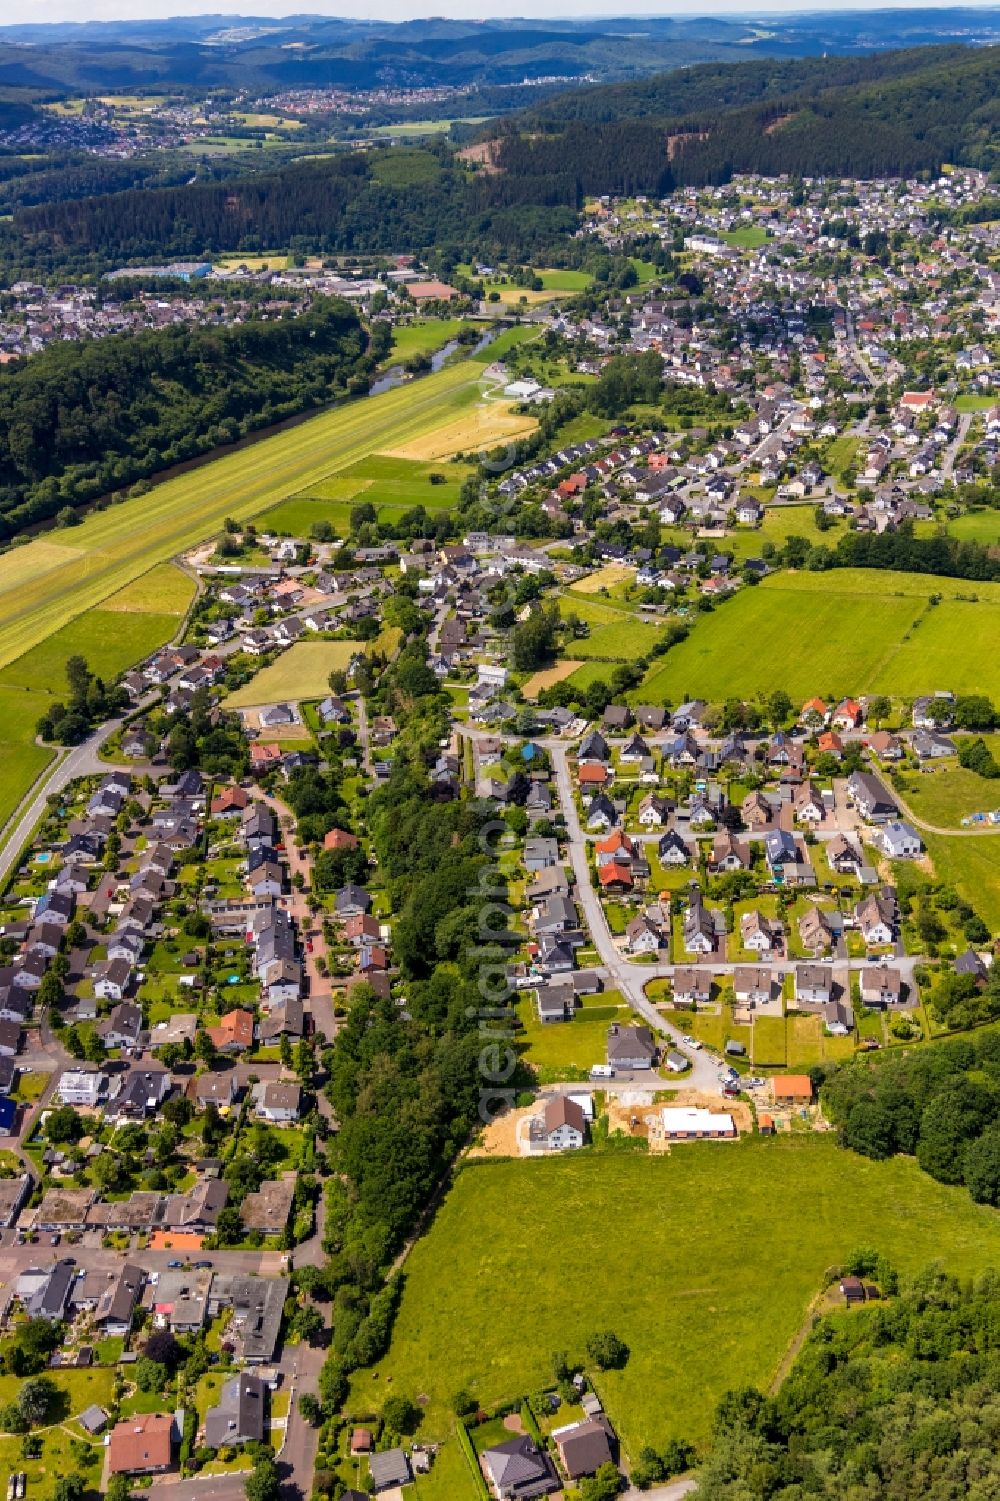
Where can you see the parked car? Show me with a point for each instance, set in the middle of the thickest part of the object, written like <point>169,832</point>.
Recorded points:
<point>175,1265</point>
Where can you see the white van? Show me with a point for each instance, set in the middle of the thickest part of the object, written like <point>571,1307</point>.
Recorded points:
<point>602,1071</point>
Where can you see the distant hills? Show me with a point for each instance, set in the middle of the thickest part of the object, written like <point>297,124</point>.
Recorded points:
<point>268,54</point>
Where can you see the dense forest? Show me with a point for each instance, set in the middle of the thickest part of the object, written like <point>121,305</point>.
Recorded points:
<point>352,202</point>
<point>897,1399</point>
<point>897,114</point>
<point>939,1104</point>
<point>79,421</point>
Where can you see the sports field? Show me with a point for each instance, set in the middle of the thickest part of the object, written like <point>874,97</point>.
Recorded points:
<point>846,631</point>
<point>704,1261</point>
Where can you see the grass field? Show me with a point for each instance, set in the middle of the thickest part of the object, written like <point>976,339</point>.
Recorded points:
<point>111,639</point>
<point>619,641</point>
<point>977,526</point>
<point>392,486</point>
<point>707,1261</point>
<point>568,1050</point>
<point>750,238</point>
<point>972,866</point>
<point>301,672</point>
<point>164,590</point>
<point>943,793</point>
<point>422,336</point>
<point>847,631</point>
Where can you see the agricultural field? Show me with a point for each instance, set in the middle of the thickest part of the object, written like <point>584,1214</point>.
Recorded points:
<point>299,673</point>
<point>834,633</point>
<point>484,426</point>
<point>604,578</point>
<point>392,486</point>
<point>112,638</point>
<point>164,590</point>
<point>547,677</point>
<point>674,1237</point>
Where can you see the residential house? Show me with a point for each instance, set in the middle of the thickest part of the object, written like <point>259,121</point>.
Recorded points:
<point>816,931</point>
<point>692,986</point>
<point>898,840</point>
<point>562,1124</point>
<point>239,1417</point>
<point>875,919</point>
<point>881,986</point>
<point>759,933</point>
<point>517,1469</point>
<point>752,985</point>
<point>870,797</point>
<point>585,1446</point>
<point>813,983</point>
<point>142,1444</point>
<point>630,1047</point>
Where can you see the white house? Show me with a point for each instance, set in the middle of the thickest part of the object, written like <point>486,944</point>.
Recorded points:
<point>898,840</point>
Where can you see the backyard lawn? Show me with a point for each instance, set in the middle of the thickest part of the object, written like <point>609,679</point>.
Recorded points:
<point>568,1050</point>
<point>708,1259</point>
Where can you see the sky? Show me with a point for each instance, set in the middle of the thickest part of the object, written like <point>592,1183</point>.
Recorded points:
<point>36,11</point>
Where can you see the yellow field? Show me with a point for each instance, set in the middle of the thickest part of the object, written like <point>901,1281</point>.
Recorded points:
<point>46,584</point>
<point>604,578</point>
<point>483,427</point>
<point>274,260</point>
<point>548,677</point>
<point>164,590</point>
<point>301,672</point>
<point>511,296</point>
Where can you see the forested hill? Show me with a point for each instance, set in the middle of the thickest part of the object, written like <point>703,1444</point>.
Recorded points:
<point>895,114</point>
<point>897,1399</point>
<point>385,201</point>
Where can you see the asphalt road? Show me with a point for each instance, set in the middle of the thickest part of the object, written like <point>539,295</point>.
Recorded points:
<point>624,975</point>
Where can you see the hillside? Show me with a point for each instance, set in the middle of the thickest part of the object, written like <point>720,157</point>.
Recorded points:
<point>895,114</point>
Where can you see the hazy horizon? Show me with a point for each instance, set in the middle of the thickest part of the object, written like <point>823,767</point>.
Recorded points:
<point>39,12</point>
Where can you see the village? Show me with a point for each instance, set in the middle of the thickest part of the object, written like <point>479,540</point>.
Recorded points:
<point>724,874</point>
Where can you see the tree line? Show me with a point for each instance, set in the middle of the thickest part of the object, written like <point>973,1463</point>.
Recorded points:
<point>899,1399</point>
<point>940,1104</point>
